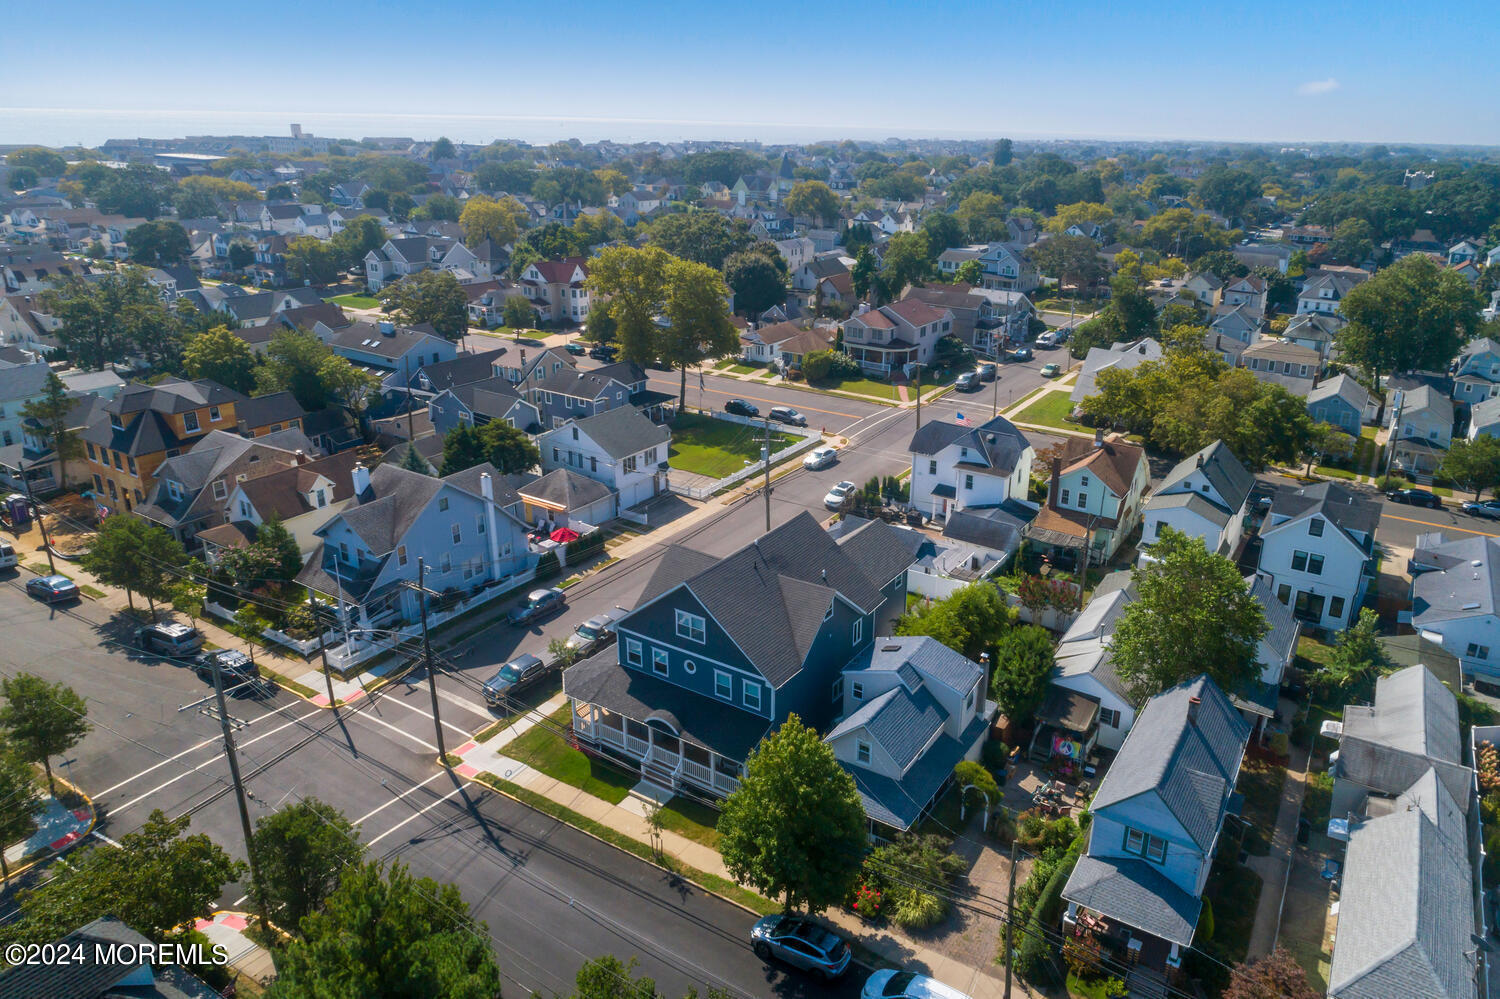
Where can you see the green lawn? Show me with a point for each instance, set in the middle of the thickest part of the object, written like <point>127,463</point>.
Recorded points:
<point>859,386</point>
<point>743,369</point>
<point>692,819</point>
<point>543,749</point>
<point>1260,783</point>
<point>1335,473</point>
<point>716,448</point>
<point>767,373</point>
<point>356,301</point>
<point>1049,411</point>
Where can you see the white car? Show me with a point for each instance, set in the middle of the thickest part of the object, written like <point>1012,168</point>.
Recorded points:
<point>820,457</point>
<point>906,985</point>
<point>1047,339</point>
<point>836,496</point>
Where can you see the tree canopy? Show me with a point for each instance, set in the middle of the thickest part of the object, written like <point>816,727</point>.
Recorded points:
<point>1022,669</point>
<point>158,243</point>
<point>221,356</point>
<point>701,236</point>
<point>429,296</point>
<point>108,316</point>
<point>795,827</point>
<point>1412,315</point>
<point>499,221</point>
<point>301,852</point>
<point>971,621</point>
<point>1473,464</point>
<point>41,720</point>
<point>135,555</point>
<point>757,282</point>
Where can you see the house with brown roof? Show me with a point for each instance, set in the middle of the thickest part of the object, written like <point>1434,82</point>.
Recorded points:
<point>886,339</point>
<point>1095,497</point>
<point>556,289</point>
<point>302,496</point>
<point>763,345</point>
<point>983,318</point>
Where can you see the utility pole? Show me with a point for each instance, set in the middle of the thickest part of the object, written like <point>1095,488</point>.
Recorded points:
<point>918,367</point>
<point>40,520</point>
<point>1010,918</point>
<point>995,407</point>
<point>411,435</point>
<point>239,793</point>
<point>766,460</point>
<point>323,652</point>
<point>427,660</point>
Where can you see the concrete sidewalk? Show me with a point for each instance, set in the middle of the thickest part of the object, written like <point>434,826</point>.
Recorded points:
<point>227,929</point>
<point>628,818</point>
<point>1276,866</point>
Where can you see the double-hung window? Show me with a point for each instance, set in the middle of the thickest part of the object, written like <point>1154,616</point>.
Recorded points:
<point>659,662</point>
<point>1142,844</point>
<point>862,752</point>
<point>690,626</point>
<point>632,652</point>
<point>723,685</point>
<point>751,696</point>
<point>857,632</point>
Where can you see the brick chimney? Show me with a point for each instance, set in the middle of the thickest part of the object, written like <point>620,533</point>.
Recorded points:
<point>1052,485</point>
<point>1098,437</point>
<point>1192,711</point>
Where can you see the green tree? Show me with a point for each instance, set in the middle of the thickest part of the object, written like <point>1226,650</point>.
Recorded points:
<point>906,261</point>
<point>510,450</point>
<point>518,313</point>
<point>383,934</point>
<point>1226,190</point>
<point>313,260</point>
<point>349,388</point>
<point>154,880</point>
<point>1276,976</point>
<point>106,316</point>
<point>359,236</point>
<point>18,791</point>
<point>429,297</point>
<point>865,275</point>
<point>698,322</point>
<point>41,719</point>
<point>969,272</point>
<point>633,282</point>
<point>814,200</point>
<point>291,365</point>
<point>702,236</point>
<point>608,977</point>
<point>158,243</point>
<point>462,448</point>
<point>302,851</point>
<point>221,356</point>
<point>983,217</point>
<point>1323,440</point>
<point>500,221</point>
<point>442,149</point>
<point>794,830</point>
<point>1022,669</point>
<point>1003,152</point>
<point>135,555</point>
<point>1357,654</point>
<point>1073,260</point>
<point>1353,242</point>
<point>137,191</point>
<point>1193,614</point>
<point>971,620</point>
<point>22,178</point>
<point>52,410</point>
<point>241,254</point>
<point>273,557</point>
<point>46,162</point>
<point>757,282</point>
<point>1473,464</point>
<point>1412,315</point>
<point>944,231</point>
<point>412,461</point>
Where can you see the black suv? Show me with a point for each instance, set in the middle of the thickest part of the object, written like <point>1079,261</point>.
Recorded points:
<point>235,667</point>
<point>603,352</point>
<point>1415,497</point>
<point>739,407</point>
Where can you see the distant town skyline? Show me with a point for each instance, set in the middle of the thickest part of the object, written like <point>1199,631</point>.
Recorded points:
<point>1289,74</point>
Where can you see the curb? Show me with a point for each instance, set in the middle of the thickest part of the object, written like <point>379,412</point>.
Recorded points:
<point>56,851</point>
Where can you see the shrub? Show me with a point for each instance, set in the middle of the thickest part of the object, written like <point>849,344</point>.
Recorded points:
<point>585,546</point>
<point>917,910</point>
<point>1205,923</point>
<point>1389,482</point>
<point>996,755</point>
<point>1034,949</point>
<point>841,365</point>
<point>895,869</point>
<point>548,566</point>
<point>1003,825</point>
<point>967,772</point>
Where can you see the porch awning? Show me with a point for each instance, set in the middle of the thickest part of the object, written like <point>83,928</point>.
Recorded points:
<point>944,490</point>
<point>1069,709</point>
<point>720,728</point>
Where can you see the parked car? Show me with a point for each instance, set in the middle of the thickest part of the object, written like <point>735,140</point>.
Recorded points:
<point>820,457</point>
<point>907,985</point>
<point>1047,339</point>
<point>576,349</point>
<point>234,667</point>
<point>52,589</point>
<point>1021,354</point>
<point>596,632</point>
<point>1415,497</point>
<point>514,677</point>
<point>175,641</point>
<point>603,352</point>
<point>1051,370</point>
<point>836,496</point>
<point>8,557</point>
<point>539,603</point>
<point>786,414</point>
<point>801,943</point>
<point>988,371</point>
<point>1488,508</point>
<point>967,382</point>
<point>739,407</point>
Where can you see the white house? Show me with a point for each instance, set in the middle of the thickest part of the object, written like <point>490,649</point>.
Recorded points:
<point>619,447</point>
<point>1204,497</point>
<point>1423,430</point>
<point>886,339</point>
<point>954,466</point>
<point>1453,598</point>
<point>1317,548</point>
<point>1478,374</point>
<point>1123,356</point>
<point>1083,663</point>
<point>1323,292</point>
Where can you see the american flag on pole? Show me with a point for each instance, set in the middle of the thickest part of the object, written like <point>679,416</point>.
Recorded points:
<point>963,421</point>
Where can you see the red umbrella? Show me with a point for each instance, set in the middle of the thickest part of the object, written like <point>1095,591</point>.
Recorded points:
<point>564,534</point>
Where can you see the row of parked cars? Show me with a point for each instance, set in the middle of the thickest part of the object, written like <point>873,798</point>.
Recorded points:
<point>814,948</point>
<point>778,414</point>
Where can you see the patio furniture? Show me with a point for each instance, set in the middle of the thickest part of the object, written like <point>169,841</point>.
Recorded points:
<point>1331,869</point>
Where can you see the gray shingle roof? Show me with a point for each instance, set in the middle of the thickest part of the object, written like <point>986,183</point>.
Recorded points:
<point>1198,503</point>
<point>900,720</point>
<point>1413,712</point>
<point>23,382</point>
<point>881,551</point>
<point>926,655</point>
<point>998,441</point>
<point>1467,584</point>
<point>996,528</point>
<point>1229,477</point>
<point>1343,387</point>
<point>1188,755</point>
<point>1344,508</point>
<point>565,488</point>
<point>1136,893</point>
<point>1281,620</point>
<point>620,432</point>
<point>900,803</point>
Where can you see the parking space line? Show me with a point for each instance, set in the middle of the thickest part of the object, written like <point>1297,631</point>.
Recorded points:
<point>417,814</point>
<point>415,787</point>
<point>365,715</point>
<point>412,707</point>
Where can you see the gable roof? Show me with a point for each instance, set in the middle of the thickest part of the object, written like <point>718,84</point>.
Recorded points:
<point>997,440</point>
<point>1464,584</point>
<point>1185,746</point>
<point>619,432</point>
<point>1341,386</point>
<point>1114,462</point>
<point>1345,509</point>
<point>1229,477</point>
<point>565,488</point>
<point>465,369</point>
<point>914,656</point>
<point>880,550</point>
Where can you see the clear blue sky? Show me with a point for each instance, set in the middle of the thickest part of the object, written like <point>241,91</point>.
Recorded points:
<point>1381,70</point>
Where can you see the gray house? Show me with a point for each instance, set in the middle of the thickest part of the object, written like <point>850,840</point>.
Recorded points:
<point>477,403</point>
<point>1423,430</point>
<point>466,526</point>
<point>570,394</point>
<point>1157,818</point>
<point>1341,401</point>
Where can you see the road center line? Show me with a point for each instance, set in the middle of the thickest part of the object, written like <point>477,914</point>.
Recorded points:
<point>1442,527</point>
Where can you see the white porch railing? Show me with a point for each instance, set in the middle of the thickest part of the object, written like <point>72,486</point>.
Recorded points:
<point>697,773</point>
<point>636,747</point>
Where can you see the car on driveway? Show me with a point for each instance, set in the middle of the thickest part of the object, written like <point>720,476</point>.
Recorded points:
<point>786,414</point>
<point>538,604</point>
<point>967,382</point>
<point>576,349</point>
<point>514,677</point>
<point>739,407</point>
<point>175,641</point>
<point>801,943</point>
<point>1051,370</point>
<point>821,457</point>
<point>1047,339</point>
<point>1488,508</point>
<point>8,557</point>
<point>1415,497</point>
<point>596,632</point>
<point>1021,354</point>
<point>235,667</point>
<point>836,496</point>
<point>889,984</point>
<point>52,589</point>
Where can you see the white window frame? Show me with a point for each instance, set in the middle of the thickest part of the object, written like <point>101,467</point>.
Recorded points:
<point>661,661</point>
<point>862,752</point>
<point>857,631</point>
<point>746,690</point>
<point>692,633</point>
<point>633,652</point>
<point>721,681</point>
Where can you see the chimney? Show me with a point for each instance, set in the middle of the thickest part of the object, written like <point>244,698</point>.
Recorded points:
<point>361,479</point>
<point>1192,712</point>
<point>1200,459</point>
<point>1052,486</point>
<point>1098,437</point>
<point>299,457</point>
<point>486,486</point>
<point>387,327</point>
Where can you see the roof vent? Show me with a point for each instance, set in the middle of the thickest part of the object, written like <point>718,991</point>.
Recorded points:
<point>890,648</point>
<point>1471,607</point>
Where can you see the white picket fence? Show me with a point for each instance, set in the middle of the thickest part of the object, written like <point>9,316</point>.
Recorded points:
<point>304,648</point>
<point>810,439</point>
